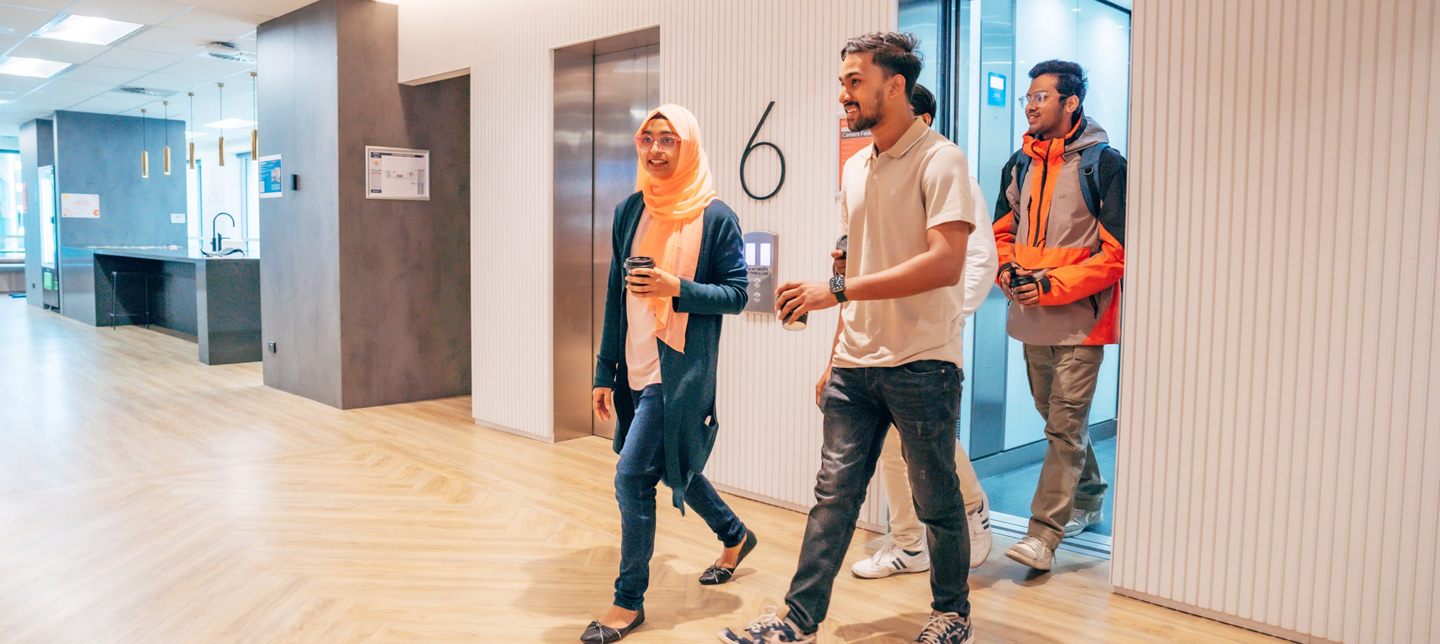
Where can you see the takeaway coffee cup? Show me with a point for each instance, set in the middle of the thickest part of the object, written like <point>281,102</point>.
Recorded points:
<point>639,261</point>
<point>797,324</point>
<point>1017,280</point>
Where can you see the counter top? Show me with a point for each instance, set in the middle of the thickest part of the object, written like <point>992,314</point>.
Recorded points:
<point>190,255</point>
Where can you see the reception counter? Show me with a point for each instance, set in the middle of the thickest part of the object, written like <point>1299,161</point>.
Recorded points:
<point>214,301</point>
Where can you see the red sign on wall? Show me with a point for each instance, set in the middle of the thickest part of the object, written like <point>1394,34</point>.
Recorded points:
<point>850,144</point>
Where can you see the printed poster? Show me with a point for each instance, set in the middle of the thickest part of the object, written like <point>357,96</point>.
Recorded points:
<point>397,173</point>
<point>78,205</point>
<point>850,143</point>
<point>270,177</point>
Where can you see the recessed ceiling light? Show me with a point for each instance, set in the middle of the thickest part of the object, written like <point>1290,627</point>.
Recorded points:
<point>95,31</point>
<point>32,67</point>
<point>230,124</point>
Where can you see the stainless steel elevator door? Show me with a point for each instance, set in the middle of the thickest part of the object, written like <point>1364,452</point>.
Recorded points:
<point>627,87</point>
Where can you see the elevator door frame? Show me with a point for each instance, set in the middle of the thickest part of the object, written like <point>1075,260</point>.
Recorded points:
<point>581,232</point>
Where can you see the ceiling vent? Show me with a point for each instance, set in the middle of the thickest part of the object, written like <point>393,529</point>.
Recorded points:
<point>229,52</point>
<point>144,91</point>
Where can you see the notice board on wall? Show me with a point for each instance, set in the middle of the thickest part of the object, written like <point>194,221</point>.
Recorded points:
<point>78,205</point>
<point>270,175</point>
<point>397,173</point>
<point>850,144</point>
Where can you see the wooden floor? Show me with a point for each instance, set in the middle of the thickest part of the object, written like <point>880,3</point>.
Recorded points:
<point>145,497</point>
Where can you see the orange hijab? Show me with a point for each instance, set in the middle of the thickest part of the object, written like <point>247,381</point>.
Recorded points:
<point>676,225</point>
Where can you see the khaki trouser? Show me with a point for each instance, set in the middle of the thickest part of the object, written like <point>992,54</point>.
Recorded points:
<point>1062,380</point>
<point>906,530</point>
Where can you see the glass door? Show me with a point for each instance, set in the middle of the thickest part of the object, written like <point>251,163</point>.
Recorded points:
<point>49,239</point>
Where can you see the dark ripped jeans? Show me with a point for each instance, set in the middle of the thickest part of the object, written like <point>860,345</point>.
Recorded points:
<point>922,400</point>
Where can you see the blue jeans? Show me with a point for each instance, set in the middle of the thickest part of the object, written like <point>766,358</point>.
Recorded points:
<point>641,466</point>
<point>922,400</point>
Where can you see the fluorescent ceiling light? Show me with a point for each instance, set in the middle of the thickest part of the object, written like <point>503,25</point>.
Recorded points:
<point>95,31</point>
<point>32,67</point>
<point>230,124</point>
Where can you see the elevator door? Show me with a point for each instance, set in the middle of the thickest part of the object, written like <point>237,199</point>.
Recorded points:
<point>603,91</point>
<point>627,87</point>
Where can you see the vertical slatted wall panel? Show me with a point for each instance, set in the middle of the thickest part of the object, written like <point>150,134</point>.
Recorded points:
<point>725,61</point>
<point>1281,397</point>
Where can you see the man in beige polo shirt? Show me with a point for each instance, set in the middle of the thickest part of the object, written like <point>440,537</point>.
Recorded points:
<point>909,212</point>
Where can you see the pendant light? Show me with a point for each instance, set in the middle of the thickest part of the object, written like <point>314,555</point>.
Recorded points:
<point>144,153</point>
<point>190,126</point>
<point>167,137</point>
<point>222,118</point>
<point>254,116</point>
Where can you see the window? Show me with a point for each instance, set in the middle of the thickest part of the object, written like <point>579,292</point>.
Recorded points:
<point>12,200</point>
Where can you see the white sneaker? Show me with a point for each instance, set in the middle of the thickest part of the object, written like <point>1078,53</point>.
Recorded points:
<point>980,537</point>
<point>890,560</point>
<point>1081,520</point>
<point>1032,552</point>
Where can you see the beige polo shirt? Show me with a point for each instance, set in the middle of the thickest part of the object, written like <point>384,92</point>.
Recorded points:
<point>888,202</point>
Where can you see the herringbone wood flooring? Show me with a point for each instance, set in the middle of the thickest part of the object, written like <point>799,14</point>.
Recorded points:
<point>145,497</point>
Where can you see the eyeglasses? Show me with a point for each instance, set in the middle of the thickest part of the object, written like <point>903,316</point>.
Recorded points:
<point>1038,98</point>
<point>668,143</point>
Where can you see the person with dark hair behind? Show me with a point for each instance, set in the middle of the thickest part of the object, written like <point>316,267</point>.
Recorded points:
<point>908,211</point>
<point>1060,229</point>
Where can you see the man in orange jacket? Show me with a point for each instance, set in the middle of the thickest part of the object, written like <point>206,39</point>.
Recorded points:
<point>1060,232</point>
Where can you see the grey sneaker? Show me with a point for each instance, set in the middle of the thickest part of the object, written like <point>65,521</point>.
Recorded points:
<point>1082,520</point>
<point>1032,552</point>
<point>947,628</point>
<point>768,628</point>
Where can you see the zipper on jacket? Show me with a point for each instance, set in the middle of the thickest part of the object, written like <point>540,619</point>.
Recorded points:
<point>1095,304</point>
<point>1044,180</point>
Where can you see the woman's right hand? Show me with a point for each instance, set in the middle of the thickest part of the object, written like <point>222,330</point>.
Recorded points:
<point>602,400</point>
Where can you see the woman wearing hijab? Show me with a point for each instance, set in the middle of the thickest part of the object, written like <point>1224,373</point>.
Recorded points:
<point>656,369</point>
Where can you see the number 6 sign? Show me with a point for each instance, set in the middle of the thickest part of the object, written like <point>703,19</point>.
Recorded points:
<point>750,147</point>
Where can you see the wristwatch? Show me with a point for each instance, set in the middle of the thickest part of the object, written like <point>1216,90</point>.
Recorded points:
<point>837,288</point>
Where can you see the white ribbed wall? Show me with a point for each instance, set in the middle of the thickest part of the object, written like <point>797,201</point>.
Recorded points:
<point>725,60</point>
<point>1280,442</point>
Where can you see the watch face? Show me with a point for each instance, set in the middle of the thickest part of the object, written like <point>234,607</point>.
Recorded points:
<point>837,283</point>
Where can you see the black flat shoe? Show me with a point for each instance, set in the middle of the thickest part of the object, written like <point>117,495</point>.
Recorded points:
<point>716,575</point>
<point>597,633</point>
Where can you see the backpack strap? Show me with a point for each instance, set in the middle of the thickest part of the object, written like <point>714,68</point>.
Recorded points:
<point>1089,182</point>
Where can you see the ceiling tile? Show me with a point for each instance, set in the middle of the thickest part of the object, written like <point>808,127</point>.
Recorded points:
<point>145,12</point>
<point>58,50</point>
<point>267,8</point>
<point>40,100</point>
<point>80,89</point>
<point>170,41</point>
<point>111,103</point>
<point>21,21</point>
<point>228,24</point>
<point>7,41</point>
<point>47,5</point>
<point>20,83</point>
<point>166,81</point>
<point>208,67</point>
<point>101,74</point>
<point>136,59</point>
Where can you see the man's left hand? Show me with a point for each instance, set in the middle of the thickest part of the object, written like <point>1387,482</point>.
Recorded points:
<point>793,299</point>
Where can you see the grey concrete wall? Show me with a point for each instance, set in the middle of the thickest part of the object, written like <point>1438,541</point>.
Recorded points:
<point>405,287</point>
<point>100,154</point>
<point>37,148</point>
<point>299,232</point>
<point>368,300</point>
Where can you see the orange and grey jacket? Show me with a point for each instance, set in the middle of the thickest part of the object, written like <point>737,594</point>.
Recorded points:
<point>1045,225</point>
